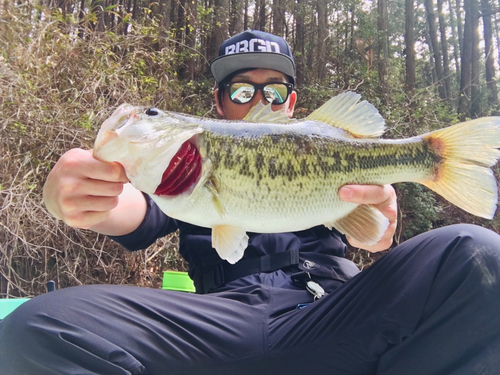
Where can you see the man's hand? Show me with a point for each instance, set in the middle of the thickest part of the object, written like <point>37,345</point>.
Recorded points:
<point>87,193</point>
<point>382,198</point>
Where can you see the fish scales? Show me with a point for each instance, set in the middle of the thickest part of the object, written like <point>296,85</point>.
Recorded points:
<point>293,158</point>
<point>288,174</point>
<point>269,176</point>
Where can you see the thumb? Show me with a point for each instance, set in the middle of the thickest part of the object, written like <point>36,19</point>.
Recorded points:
<point>108,170</point>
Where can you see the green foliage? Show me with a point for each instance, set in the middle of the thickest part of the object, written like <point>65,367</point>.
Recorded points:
<point>195,97</point>
<point>418,209</point>
<point>86,121</point>
<point>313,96</point>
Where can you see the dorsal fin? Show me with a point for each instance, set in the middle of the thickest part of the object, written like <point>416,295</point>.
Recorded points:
<point>264,113</point>
<point>343,111</point>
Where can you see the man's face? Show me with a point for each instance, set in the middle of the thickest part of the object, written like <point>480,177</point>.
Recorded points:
<point>233,111</point>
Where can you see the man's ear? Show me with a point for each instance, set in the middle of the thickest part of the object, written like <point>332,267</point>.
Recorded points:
<point>292,100</point>
<point>218,104</point>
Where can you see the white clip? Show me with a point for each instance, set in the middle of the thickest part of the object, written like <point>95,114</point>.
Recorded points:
<point>315,289</point>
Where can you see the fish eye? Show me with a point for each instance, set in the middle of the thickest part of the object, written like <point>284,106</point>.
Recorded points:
<point>152,112</point>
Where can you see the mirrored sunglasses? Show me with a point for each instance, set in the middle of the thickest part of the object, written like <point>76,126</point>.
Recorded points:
<point>243,92</point>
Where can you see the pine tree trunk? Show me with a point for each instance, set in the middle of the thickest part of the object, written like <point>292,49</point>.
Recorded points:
<point>180,24</point>
<point>489,51</point>
<point>460,29</point>
<point>383,48</point>
<point>466,63</point>
<point>165,8</point>
<point>191,27</point>
<point>81,18</point>
<point>322,35</point>
<point>97,9</point>
<point>444,50</point>
<point>236,17</point>
<point>263,16</point>
<point>278,17</point>
<point>245,18</point>
<point>135,10</point>
<point>497,33</point>
<point>475,110</point>
<point>438,67</point>
<point>221,29</point>
<point>299,41</point>
<point>310,42</point>
<point>454,36</point>
<point>410,46</point>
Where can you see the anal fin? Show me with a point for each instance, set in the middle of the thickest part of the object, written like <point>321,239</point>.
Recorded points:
<point>229,242</point>
<point>365,224</point>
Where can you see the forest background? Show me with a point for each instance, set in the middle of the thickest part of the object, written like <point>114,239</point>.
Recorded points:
<point>66,64</point>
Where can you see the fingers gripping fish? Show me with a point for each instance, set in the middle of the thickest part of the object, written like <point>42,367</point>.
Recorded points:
<point>280,175</point>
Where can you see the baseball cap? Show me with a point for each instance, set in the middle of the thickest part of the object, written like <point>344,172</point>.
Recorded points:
<point>253,49</point>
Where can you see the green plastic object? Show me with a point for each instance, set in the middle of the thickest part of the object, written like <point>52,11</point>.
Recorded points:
<point>172,280</point>
<point>10,304</point>
<point>179,281</point>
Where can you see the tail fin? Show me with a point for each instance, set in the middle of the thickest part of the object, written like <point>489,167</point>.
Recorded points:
<point>464,178</point>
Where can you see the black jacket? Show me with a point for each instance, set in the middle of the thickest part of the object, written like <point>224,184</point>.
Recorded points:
<point>321,251</point>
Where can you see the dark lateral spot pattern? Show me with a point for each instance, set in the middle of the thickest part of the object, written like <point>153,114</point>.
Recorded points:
<point>291,156</point>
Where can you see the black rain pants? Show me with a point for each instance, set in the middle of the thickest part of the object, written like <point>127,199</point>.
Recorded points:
<point>430,306</point>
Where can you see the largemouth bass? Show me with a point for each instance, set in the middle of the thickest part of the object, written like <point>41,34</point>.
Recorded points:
<point>270,174</point>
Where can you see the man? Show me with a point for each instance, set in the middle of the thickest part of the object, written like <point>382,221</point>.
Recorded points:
<point>430,306</point>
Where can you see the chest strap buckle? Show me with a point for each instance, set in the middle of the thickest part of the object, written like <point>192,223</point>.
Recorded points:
<point>224,273</point>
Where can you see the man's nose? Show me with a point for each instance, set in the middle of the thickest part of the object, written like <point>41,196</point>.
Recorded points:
<point>259,97</point>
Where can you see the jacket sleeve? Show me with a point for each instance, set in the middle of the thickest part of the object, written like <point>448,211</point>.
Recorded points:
<point>156,224</point>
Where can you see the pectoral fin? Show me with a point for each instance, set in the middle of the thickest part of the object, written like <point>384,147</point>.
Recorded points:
<point>230,242</point>
<point>211,185</point>
<point>264,113</point>
<point>365,224</point>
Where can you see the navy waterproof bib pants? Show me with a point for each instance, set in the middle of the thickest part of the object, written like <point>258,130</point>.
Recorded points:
<point>430,306</point>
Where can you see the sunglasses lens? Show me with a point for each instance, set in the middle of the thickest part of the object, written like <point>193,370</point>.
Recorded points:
<point>241,92</point>
<point>276,93</point>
